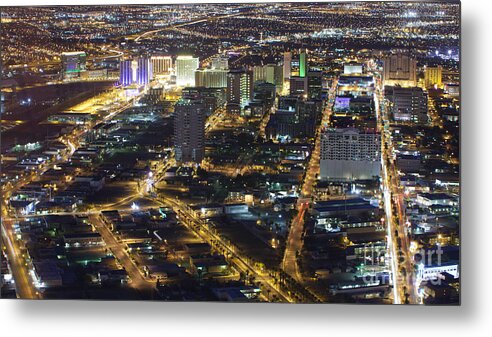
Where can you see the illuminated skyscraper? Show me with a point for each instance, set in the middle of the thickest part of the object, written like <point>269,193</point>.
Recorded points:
<point>349,154</point>
<point>294,67</point>
<point>144,71</point>
<point>137,71</point>
<point>220,63</point>
<point>270,73</point>
<point>161,65</point>
<point>239,90</point>
<point>126,72</point>
<point>314,84</point>
<point>211,78</point>
<point>134,70</point>
<point>433,76</point>
<point>408,104</point>
<point>185,70</point>
<point>287,64</point>
<point>303,64</point>
<point>400,70</point>
<point>189,130</point>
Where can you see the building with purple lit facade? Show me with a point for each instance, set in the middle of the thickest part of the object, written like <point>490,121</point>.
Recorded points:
<point>126,73</point>
<point>137,71</point>
<point>144,71</point>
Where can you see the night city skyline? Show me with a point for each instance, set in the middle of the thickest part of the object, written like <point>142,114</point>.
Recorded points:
<point>267,152</point>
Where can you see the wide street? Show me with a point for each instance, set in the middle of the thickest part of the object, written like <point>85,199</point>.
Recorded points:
<point>400,257</point>
<point>294,239</point>
<point>144,285</point>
